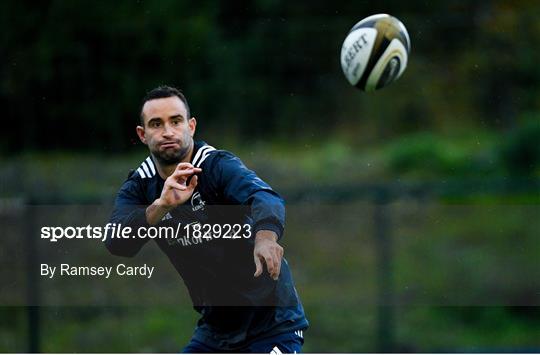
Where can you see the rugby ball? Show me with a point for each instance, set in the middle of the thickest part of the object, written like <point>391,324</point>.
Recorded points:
<point>375,52</point>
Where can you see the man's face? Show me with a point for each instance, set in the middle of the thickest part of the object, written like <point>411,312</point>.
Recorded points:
<point>167,130</point>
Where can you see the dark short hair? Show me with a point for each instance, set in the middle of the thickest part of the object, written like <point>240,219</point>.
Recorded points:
<point>162,92</point>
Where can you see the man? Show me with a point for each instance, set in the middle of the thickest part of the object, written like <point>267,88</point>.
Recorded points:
<point>242,286</point>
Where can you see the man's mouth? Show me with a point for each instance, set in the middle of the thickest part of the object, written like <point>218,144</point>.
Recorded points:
<point>169,144</point>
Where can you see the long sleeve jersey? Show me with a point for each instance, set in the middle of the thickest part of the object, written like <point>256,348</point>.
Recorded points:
<point>217,269</point>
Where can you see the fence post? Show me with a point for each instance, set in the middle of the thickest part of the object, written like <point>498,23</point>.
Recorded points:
<point>28,219</point>
<point>384,256</point>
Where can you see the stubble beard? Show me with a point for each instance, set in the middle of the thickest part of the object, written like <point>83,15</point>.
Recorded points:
<point>173,157</point>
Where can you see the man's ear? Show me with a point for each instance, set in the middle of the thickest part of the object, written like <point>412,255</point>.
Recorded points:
<point>140,133</point>
<point>192,123</point>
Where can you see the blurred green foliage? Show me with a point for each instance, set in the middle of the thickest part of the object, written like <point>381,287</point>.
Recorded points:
<point>73,73</point>
<point>520,153</point>
<point>472,153</point>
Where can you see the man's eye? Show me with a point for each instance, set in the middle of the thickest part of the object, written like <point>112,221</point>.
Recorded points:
<point>176,122</point>
<point>155,124</point>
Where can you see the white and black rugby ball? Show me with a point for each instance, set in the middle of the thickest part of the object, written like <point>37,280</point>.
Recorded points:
<point>375,52</point>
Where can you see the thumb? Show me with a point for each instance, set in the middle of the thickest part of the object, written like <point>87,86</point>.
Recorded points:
<point>258,267</point>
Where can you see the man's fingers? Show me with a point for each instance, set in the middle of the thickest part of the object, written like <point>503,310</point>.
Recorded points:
<point>272,258</point>
<point>183,175</point>
<point>176,185</point>
<point>187,166</point>
<point>185,172</point>
<point>278,265</point>
<point>270,264</point>
<point>258,267</point>
<point>181,166</point>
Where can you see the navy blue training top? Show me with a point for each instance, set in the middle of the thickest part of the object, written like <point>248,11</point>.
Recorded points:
<point>236,307</point>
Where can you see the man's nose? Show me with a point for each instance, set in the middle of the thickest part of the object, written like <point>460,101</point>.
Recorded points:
<point>168,130</point>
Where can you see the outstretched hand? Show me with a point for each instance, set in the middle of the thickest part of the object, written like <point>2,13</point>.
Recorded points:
<point>269,252</point>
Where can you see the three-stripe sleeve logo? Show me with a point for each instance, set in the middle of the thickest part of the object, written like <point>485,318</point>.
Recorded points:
<point>201,155</point>
<point>147,169</point>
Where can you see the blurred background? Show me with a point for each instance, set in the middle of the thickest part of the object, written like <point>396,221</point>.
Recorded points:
<point>413,220</point>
